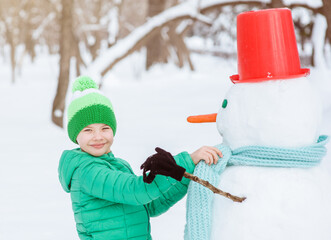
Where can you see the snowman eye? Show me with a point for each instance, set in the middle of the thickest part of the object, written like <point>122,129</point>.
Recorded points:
<point>225,103</point>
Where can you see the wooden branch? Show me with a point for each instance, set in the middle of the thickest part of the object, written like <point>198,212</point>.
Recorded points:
<point>212,188</point>
<point>314,10</point>
<point>259,4</point>
<point>326,13</point>
<point>233,3</point>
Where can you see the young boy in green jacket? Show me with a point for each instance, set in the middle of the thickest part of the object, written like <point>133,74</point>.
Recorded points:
<point>109,201</point>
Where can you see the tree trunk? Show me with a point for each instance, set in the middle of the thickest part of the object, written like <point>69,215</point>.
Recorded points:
<point>326,13</point>
<point>277,4</point>
<point>13,61</point>
<point>77,54</point>
<point>156,47</point>
<point>65,54</point>
<point>131,14</point>
<point>11,40</point>
<point>177,42</point>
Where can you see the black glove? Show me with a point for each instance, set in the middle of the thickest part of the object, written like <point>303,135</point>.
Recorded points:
<point>161,163</point>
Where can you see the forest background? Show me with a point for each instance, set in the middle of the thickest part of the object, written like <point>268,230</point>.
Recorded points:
<point>86,33</point>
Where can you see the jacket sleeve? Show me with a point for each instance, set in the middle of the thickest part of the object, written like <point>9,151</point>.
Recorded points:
<point>98,180</point>
<point>176,192</point>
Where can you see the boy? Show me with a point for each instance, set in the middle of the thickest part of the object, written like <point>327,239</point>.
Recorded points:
<point>108,200</point>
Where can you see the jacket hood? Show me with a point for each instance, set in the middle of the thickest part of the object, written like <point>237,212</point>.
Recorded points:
<point>69,162</point>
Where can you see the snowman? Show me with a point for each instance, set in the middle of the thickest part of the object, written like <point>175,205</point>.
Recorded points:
<point>273,151</point>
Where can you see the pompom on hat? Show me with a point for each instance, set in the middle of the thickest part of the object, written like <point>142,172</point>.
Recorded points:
<point>88,106</point>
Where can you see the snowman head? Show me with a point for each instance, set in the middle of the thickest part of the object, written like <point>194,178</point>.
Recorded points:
<point>271,102</point>
<point>282,113</point>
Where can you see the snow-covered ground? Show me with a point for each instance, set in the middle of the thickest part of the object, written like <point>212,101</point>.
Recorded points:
<point>151,109</point>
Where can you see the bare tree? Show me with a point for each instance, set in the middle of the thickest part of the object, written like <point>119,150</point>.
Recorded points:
<point>326,13</point>
<point>176,41</point>
<point>277,4</point>
<point>12,44</point>
<point>23,24</point>
<point>131,14</point>
<point>156,47</point>
<point>11,24</point>
<point>83,26</point>
<point>65,55</point>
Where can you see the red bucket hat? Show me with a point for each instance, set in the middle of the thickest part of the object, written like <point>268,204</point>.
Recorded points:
<point>267,48</point>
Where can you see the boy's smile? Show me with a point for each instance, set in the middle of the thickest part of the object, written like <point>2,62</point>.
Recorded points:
<point>96,139</point>
<point>98,146</point>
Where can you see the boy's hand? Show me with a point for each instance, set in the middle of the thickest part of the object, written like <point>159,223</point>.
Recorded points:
<point>162,163</point>
<point>208,154</point>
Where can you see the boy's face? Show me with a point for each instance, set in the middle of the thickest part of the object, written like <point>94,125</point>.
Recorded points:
<point>96,139</point>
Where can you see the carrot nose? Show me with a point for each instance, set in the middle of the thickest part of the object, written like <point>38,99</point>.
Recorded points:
<point>202,118</point>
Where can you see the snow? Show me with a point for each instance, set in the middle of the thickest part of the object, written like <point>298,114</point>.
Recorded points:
<point>311,3</point>
<point>318,39</point>
<point>113,26</point>
<point>151,111</point>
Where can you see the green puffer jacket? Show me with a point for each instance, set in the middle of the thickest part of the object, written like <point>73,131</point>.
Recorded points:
<point>110,202</point>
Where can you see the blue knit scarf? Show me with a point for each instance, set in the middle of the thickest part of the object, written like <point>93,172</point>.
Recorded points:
<point>200,199</point>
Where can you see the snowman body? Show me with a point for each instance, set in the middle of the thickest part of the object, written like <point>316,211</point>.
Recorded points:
<point>282,203</point>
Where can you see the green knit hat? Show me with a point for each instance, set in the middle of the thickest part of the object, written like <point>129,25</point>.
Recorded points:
<point>88,106</point>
